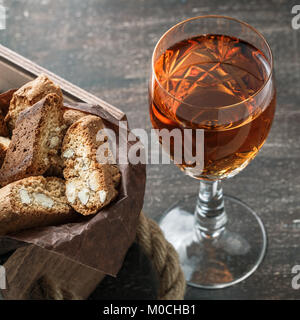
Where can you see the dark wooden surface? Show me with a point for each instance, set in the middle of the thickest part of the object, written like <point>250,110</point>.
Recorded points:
<point>106,46</point>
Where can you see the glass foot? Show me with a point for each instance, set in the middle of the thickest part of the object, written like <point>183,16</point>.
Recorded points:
<point>223,261</point>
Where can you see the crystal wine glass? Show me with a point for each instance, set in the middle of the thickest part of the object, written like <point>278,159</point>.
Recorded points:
<point>212,81</point>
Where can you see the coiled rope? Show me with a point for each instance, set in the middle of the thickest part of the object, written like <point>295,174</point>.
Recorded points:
<point>164,258</point>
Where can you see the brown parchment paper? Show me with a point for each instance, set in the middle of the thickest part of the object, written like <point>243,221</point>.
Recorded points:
<point>99,241</point>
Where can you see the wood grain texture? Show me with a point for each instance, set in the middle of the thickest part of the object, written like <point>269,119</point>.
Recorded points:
<point>105,47</point>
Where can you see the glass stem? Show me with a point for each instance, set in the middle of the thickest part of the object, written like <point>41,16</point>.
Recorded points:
<point>210,215</point>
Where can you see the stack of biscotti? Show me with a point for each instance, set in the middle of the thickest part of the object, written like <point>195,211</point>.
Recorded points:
<point>50,171</point>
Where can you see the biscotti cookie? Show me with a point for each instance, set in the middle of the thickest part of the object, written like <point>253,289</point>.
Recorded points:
<point>89,185</point>
<point>4,144</point>
<point>56,168</point>
<point>72,115</point>
<point>33,202</point>
<point>28,95</point>
<point>5,99</point>
<point>35,142</point>
<point>3,127</point>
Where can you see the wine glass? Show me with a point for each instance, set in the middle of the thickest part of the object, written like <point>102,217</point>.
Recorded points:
<point>212,85</point>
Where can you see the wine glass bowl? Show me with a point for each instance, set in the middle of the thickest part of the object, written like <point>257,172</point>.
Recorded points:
<point>218,83</point>
<point>212,77</point>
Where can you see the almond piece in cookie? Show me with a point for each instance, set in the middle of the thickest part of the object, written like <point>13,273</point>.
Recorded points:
<point>4,144</point>
<point>28,95</point>
<point>36,141</point>
<point>90,185</point>
<point>33,202</point>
